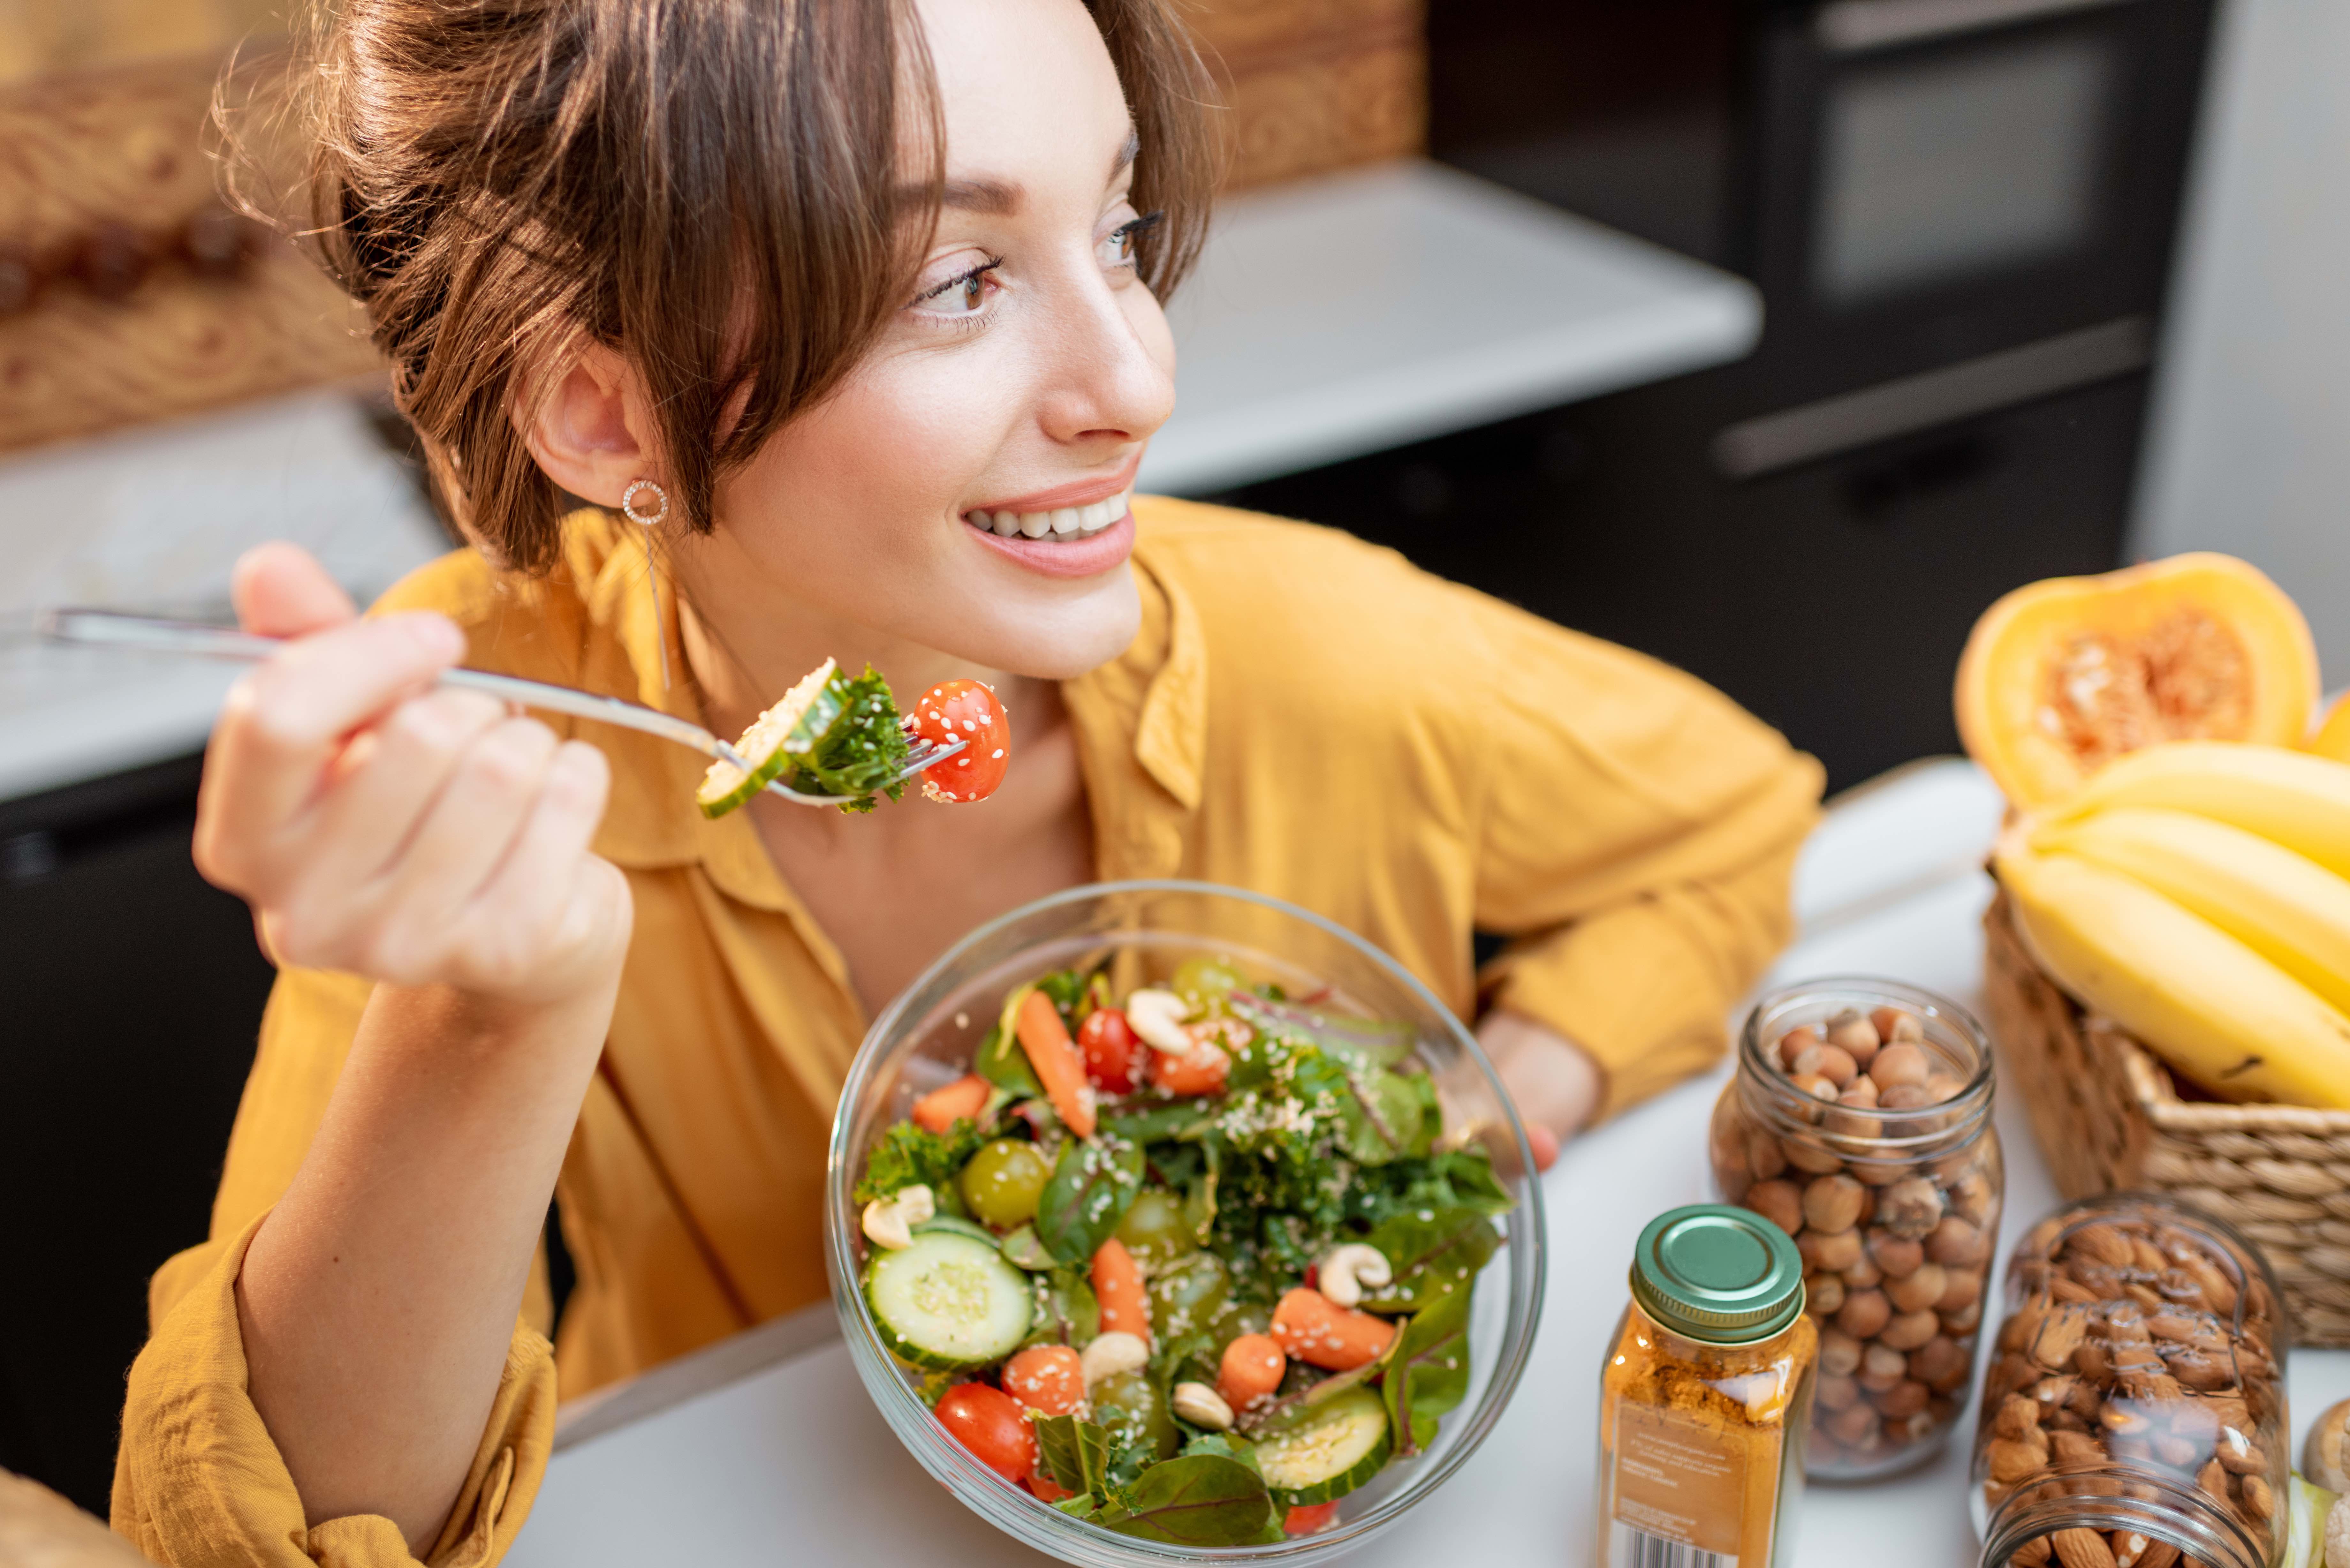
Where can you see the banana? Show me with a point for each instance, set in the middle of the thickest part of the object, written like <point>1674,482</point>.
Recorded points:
<point>2198,998</point>
<point>2285,906</point>
<point>2291,798</point>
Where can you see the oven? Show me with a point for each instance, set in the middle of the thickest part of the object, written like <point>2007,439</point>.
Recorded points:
<point>1960,215</point>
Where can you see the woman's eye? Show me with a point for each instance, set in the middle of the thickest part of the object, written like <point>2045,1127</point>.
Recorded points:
<point>962,295</point>
<point>1122,245</point>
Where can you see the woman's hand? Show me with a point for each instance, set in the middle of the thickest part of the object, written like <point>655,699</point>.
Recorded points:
<point>1554,1082</point>
<point>381,827</point>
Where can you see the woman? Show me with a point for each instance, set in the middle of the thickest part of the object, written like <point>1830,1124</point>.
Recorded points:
<point>846,283</point>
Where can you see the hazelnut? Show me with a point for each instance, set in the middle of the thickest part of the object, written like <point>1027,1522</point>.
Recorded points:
<point>1860,1094</point>
<point>1910,1330</point>
<point>1833,1203</point>
<point>1911,1207</point>
<point>1899,1256</point>
<point>1903,1400</point>
<point>1897,1066</point>
<point>1903,1098</point>
<point>1853,1033</point>
<point>1962,1289</point>
<point>1954,1242</point>
<point>1830,1062</point>
<point>1822,1294</point>
<point>1794,1042</point>
<point>1854,1426</point>
<point>1943,1087</point>
<point>1864,1313</point>
<point>1779,1202</point>
<point>1965,1321</point>
<point>1810,1155</point>
<point>1864,1275</point>
<point>1763,1154</point>
<point>1881,1368</point>
<point>1839,1352</point>
<point>1828,1251</point>
<point>1835,1391</point>
<point>1816,1085</point>
<point>1893,1025</point>
<point>1940,1365</point>
<point>1919,1290</point>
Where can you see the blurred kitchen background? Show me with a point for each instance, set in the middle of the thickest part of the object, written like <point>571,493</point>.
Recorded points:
<point>1774,338</point>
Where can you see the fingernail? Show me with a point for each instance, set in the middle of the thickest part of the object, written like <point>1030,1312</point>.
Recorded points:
<point>436,634</point>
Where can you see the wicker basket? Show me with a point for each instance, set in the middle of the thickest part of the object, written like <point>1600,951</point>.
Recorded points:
<point>2107,1118</point>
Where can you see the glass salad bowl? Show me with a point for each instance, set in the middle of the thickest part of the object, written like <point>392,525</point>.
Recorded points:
<point>1138,933</point>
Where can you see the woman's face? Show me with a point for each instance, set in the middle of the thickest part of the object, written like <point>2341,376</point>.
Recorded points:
<point>965,489</point>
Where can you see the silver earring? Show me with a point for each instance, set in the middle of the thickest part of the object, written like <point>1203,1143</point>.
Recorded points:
<point>649,522</point>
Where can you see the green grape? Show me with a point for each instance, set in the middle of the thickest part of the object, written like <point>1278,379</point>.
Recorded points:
<point>1187,1295</point>
<point>1136,1416</point>
<point>1203,981</point>
<point>1155,1229</point>
<point>1236,1318</point>
<point>1004,1182</point>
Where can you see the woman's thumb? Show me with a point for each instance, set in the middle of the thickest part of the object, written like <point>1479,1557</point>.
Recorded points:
<point>281,591</point>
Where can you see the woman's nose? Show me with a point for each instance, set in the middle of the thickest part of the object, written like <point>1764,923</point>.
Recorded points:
<point>1113,368</point>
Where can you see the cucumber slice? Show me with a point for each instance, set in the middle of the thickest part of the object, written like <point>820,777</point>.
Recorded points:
<point>795,726</point>
<point>955,1225</point>
<point>948,1302</point>
<point>1325,1450</point>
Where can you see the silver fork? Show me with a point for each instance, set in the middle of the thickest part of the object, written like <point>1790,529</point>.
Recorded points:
<point>112,629</point>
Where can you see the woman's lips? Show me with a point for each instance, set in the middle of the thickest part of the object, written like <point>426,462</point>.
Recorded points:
<point>1064,555</point>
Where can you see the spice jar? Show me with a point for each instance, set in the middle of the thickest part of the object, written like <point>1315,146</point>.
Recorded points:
<point>2134,1413</point>
<point>1859,1122</point>
<point>1704,1395</point>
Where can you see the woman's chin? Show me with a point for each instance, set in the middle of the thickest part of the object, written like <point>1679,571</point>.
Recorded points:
<point>1048,636</point>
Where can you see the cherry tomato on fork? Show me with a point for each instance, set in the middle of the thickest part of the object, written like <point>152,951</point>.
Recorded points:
<point>1113,1057</point>
<point>994,1426</point>
<point>964,711</point>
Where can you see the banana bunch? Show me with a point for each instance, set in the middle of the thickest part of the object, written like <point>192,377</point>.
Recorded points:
<point>2198,893</point>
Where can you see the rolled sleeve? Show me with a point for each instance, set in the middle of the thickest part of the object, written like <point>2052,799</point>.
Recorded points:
<point>1637,846</point>
<point>199,1480</point>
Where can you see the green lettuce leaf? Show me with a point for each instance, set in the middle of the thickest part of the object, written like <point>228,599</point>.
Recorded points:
<point>1091,1188</point>
<point>1431,1258</point>
<point>1427,1371</point>
<point>1198,1500</point>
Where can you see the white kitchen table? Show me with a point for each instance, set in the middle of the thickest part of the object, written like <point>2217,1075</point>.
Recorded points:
<point>763,1449</point>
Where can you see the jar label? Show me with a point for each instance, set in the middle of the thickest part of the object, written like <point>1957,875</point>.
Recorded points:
<point>1679,1493</point>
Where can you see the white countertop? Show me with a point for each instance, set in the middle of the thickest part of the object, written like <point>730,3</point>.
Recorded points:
<point>781,1458</point>
<point>1340,315</point>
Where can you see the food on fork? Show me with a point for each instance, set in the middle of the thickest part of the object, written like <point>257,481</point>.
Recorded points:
<point>835,736</point>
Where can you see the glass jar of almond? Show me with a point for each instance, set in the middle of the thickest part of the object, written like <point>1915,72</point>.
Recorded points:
<point>1859,1121</point>
<point>2134,1413</point>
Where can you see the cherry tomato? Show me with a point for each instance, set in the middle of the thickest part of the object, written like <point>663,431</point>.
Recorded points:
<point>1305,1518</point>
<point>992,1426</point>
<point>1113,1057</point>
<point>964,711</point>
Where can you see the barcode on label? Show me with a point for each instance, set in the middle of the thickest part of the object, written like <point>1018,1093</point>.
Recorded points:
<point>1631,1547</point>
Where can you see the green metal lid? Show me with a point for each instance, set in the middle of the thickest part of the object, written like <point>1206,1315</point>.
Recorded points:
<point>1724,1275</point>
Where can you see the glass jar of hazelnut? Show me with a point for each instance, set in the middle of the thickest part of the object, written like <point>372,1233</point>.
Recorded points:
<point>2134,1413</point>
<point>1859,1122</point>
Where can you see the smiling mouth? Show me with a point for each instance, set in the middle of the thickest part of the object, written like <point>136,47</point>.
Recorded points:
<point>1064,523</point>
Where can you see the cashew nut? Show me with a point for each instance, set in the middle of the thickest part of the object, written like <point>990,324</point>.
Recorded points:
<point>1202,1407</point>
<point>890,1221</point>
<point>1158,1017</point>
<point>1342,1275</point>
<point>1111,1354</point>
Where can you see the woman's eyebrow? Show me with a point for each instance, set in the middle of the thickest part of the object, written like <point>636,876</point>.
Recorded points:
<point>1127,153</point>
<point>1003,198</point>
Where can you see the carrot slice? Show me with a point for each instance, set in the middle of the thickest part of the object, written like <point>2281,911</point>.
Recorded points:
<point>941,1108</point>
<point>1254,1366</point>
<point>1049,1378</point>
<point>1320,1332</point>
<point>1117,1285</point>
<point>1060,1066</point>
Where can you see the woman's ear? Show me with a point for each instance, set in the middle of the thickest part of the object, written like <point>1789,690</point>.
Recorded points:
<point>593,432</point>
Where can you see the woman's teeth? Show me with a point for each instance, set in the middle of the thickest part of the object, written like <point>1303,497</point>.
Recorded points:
<point>1065,523</point>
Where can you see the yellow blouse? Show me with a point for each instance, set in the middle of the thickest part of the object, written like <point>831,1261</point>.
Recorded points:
<point>1301,713</point>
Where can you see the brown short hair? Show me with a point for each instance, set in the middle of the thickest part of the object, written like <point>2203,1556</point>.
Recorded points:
<point>713,187</point>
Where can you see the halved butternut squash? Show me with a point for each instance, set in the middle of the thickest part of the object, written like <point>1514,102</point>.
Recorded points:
<point>2060,677</point>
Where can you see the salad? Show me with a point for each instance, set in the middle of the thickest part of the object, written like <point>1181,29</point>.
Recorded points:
<point>1190,1265</point>
<point>832,734</point>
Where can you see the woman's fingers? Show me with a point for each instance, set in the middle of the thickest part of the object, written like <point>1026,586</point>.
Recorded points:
<point>279,590</point>
<point>464,836</point>
<point>387,777</point>
<point>285,722</point>
<point>550,901</point>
